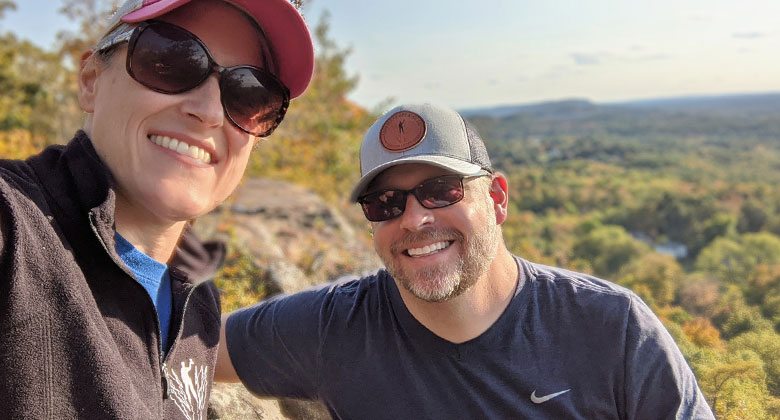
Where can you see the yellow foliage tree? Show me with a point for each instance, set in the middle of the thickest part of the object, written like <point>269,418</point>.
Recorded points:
<point>660,275</point>
<point>19,144</point>
<point>318,143</point>
<point>702,333</point>
<point>735,387</point>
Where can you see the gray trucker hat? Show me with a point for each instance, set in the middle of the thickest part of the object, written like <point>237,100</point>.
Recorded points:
<point>420,134</point>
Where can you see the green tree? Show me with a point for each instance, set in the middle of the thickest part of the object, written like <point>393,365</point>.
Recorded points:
<point>608,249</point>
<point>91,17</point>
<point>733,260</point>
<point>654,276</point>
<point>734,385</point>
<point>764,290</point>
<point>734,316</point>
<point>766,344</point>
<point>752,217</point>
<point>30,79</point>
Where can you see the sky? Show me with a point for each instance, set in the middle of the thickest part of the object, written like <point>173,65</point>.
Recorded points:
<point>477,53</point>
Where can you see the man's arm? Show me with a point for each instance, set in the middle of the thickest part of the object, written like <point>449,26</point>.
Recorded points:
<point>273,347</point>
<point>224,371</point>
<point>659,382</point>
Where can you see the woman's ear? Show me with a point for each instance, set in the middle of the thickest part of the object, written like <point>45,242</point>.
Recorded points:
<point>88,72</point>
<point>499,193</point>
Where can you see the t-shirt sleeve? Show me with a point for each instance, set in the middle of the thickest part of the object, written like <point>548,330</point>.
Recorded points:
<point>275,345</point>
<point>659,382</point>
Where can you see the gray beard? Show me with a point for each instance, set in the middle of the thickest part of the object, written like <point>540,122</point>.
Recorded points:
<point>445,281</point>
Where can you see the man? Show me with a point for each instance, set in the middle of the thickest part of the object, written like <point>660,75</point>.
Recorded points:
<point>456,327</point>
<point>107,310</point>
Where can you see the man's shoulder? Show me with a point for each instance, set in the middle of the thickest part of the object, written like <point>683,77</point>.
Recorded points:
<point>354,289</point>
<point>567,280</point>
<point>343,293</point>
<point>337,307</point>
<point>358,282</point>
<point>572,289</point>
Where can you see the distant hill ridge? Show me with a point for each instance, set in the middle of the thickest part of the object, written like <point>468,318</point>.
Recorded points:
<point>746,117</point>
<point>760,103</point>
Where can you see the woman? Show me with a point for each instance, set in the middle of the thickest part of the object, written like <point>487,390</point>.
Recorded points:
<point>106,310</point>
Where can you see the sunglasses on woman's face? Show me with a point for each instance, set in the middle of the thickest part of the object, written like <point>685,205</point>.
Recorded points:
<point>169,59</point>
<point>433,193</point>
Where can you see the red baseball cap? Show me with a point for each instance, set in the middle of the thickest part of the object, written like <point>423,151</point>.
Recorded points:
<point>283,26</point>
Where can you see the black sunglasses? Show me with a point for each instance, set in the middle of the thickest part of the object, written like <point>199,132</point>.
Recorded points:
<point>169,59</point>
<point>433,193</point>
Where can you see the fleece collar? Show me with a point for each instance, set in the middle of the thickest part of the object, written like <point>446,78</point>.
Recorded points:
<point>80,190</point>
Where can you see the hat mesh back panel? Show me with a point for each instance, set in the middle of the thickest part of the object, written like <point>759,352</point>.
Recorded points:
<point>477,149</point>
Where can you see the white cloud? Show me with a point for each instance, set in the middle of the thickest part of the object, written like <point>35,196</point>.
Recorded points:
<point>748,35</point>
<point>586,59</point>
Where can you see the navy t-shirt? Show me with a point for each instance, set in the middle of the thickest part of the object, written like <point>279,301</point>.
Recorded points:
<point>567,346</point>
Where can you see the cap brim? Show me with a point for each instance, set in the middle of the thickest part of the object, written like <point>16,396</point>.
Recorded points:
<point>153,10</point>
<point>455,165</point>
<point>283,26</point>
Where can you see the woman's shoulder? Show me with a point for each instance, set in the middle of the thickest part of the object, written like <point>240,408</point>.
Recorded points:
<point>20,189</point>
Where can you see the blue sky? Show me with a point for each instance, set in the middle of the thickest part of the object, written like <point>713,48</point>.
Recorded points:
<point>487,52</point>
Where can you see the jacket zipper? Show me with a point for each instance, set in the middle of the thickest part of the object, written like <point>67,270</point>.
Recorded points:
<point>164,388</point>
<point>166,392</point>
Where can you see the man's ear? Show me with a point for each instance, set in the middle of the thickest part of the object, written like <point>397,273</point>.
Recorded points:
<point>88,72</point>
<point>499,193</point>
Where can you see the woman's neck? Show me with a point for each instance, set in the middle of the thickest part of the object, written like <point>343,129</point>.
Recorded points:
<point>153,237</point>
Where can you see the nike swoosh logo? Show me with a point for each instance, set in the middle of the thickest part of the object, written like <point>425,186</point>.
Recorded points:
<point>539,400</point>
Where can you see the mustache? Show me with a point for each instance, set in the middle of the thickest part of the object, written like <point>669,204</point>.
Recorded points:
<point>432,234</point>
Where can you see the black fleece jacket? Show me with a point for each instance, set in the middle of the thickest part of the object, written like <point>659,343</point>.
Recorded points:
<point>79,336</point>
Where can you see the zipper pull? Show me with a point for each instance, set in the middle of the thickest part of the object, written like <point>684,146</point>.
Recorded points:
<point>164,382</point>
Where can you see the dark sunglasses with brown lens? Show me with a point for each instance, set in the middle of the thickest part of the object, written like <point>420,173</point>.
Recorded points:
<point>432,193</point>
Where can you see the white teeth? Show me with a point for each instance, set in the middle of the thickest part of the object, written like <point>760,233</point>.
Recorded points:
<point>193,151</point>
<point>429,249</point>
<point>178,146</point>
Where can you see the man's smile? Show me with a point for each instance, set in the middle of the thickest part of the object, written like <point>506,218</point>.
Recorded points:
<point>428,249</point>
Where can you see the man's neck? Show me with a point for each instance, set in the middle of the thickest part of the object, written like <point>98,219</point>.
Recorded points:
<point>469,315</point>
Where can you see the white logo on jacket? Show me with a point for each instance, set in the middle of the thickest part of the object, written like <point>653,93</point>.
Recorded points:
<point>188,389</point>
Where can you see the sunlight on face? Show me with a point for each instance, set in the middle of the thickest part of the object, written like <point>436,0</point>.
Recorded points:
<point>469,225</point>
<point>159,184</point>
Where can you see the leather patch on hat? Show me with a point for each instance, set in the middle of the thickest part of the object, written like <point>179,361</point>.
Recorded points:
<point>402,131</point>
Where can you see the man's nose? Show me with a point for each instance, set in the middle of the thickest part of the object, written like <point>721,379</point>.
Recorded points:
<point>415,216</point>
